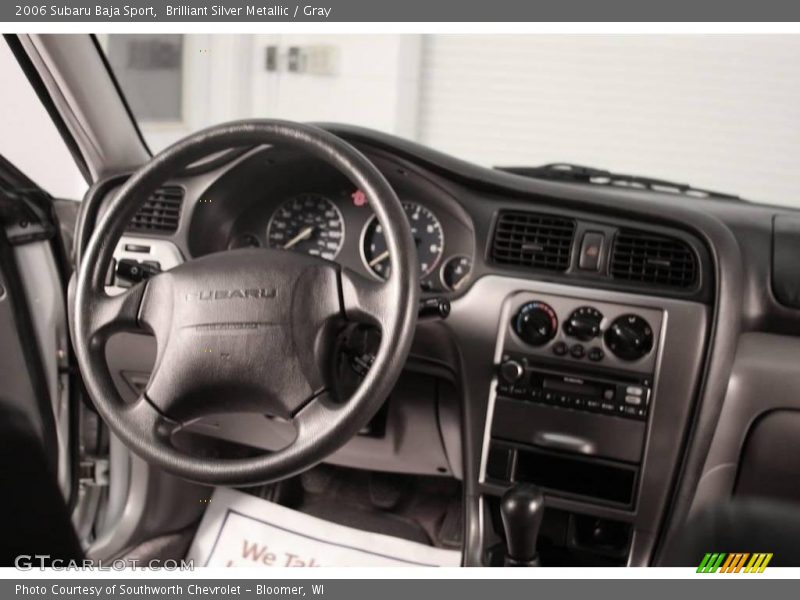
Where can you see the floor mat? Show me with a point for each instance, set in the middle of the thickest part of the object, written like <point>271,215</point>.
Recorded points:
<point>240,530</point>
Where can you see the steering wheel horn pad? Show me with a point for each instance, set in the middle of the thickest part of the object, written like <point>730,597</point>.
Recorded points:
<point>249,330</point>
<point>224,320</point>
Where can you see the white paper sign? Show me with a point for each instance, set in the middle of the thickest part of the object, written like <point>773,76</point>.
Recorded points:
<point>239,530</point>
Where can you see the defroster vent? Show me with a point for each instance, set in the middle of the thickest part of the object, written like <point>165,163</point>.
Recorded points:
<point>160,212</point>
<point>533,240</point>
<point>644,257</point>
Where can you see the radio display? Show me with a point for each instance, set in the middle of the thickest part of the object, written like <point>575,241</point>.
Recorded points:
<point>621,398</point>
<point>566,387</point>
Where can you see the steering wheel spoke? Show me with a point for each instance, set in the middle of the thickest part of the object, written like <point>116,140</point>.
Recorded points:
<point>316,414</point>
<point>115,313</point>
<point>365,299</point>
<point>150,426</point>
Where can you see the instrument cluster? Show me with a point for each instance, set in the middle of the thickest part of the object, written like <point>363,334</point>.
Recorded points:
<point>340,225</point>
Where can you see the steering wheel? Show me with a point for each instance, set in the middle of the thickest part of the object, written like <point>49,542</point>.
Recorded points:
<point>249,330</point>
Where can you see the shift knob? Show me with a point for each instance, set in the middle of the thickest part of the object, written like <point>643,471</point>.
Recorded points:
<point>521,510</point>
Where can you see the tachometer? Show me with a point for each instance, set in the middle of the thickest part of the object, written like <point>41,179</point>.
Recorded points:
<point>428,236</point>
<point>309,223</point>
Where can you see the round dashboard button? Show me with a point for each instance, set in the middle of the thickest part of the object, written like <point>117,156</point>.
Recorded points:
<point>596,354</point>
<point>577,351</point>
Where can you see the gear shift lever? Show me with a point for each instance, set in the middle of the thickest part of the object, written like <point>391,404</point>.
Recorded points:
<point>521,509</point>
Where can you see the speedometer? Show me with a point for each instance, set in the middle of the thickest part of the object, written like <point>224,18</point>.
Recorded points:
<point>428,237</point>
<point>309,223</point>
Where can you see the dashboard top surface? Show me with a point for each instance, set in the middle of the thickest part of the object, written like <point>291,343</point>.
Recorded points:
<point>736,235</point>
<point>239,204</point>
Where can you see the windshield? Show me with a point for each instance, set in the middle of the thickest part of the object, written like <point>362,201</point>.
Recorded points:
<point>721,112</point>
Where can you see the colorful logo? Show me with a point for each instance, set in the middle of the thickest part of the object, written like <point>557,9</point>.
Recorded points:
<point>738,562</point>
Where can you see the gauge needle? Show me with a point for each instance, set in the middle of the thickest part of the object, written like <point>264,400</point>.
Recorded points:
<point>458,284</point>
<point>380,258</point>
<point>303,235</point>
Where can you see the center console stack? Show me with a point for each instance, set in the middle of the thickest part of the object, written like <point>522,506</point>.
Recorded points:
<point>570,403</point>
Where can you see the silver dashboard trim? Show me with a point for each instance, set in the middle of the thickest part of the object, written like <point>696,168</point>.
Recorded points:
<point>475,321</point>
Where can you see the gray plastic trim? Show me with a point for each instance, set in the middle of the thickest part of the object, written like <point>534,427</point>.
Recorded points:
<point>119,473</point>
<point>43,287</point>
<point>764,378</point>
<point>475,321</point>
<point>157,503</point>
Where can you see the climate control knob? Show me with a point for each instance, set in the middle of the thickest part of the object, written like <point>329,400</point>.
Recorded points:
<point>535,323</point>
<point>630,337</point>
<point>584,323</point>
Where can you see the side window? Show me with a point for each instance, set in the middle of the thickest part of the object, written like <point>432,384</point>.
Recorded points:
<point>28,137</point>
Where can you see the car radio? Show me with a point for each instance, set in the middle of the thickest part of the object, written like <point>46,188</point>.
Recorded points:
<point>519,379</point>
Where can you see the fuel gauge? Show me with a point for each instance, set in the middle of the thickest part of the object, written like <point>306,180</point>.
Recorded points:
<point>455,272</point>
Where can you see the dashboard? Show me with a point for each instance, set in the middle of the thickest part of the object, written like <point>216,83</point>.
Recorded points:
<point>593,334</point>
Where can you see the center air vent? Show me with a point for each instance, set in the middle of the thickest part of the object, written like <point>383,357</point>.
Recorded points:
<point>160,212</point>
<point>533,240</point>
<point>654,259</point>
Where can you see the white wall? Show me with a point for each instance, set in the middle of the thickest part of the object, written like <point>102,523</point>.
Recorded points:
<point>715,111</point>
<point>217,86</point>
<point>376,83</point>
<point>28,137</point>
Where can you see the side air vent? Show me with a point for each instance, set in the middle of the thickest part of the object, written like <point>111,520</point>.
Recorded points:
<point>160,212</point>
<point>654,259</point>
<point>533,240</point>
